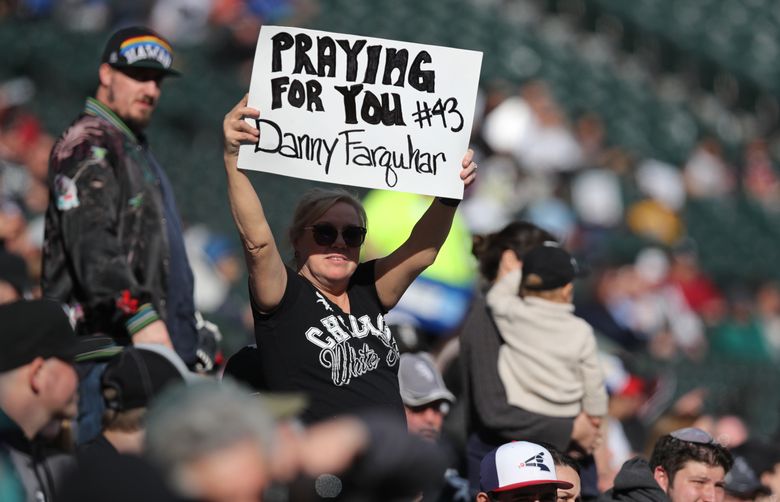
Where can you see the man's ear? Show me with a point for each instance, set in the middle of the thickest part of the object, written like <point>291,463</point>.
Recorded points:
<point>661,478</point>
<point>34,374</point>
<point>105,74</point>
<point>568,292</point>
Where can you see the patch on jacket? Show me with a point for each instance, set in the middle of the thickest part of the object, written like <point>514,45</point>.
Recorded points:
<point>67,193</point>
<point>98,153</point>
<point>136,201</point>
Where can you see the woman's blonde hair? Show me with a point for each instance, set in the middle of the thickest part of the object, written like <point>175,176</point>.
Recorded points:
<point>315,203</point>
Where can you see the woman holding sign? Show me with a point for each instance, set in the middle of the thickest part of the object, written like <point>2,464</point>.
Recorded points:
<point>320,327</point>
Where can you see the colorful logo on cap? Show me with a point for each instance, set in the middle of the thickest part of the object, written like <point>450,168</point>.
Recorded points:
<point>534,468</point>
<point>536,461</point>
<point>517,465</point>
<point>146,47</point>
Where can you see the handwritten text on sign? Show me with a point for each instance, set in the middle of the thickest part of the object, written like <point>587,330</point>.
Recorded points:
<point>362,111</point>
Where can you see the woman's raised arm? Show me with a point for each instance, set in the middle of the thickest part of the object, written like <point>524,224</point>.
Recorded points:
<point>267,274</point>
<point>396,271</point>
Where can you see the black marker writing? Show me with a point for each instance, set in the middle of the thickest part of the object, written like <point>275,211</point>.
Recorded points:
<point>297,147</point>
<point>374,109</point>
<point>297,93</point>
<point>396,61</point>
<point>356,153</point>
<point>444,109</point>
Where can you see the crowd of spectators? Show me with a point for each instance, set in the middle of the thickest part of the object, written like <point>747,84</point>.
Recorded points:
<point>649,296</point>
<point>626,217</point>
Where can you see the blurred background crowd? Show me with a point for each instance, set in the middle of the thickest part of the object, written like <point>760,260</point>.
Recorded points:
<point>642,134</point>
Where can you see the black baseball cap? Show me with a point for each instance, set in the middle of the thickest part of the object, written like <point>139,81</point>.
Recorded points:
<point>139,47</point>
<point>35,328</point>
<point>761,455</point>
<point>742,482</point>
<point>139,373</point>
<point>550,263</point>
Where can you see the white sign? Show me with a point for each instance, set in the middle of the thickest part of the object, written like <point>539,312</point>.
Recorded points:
<point>362,111</point>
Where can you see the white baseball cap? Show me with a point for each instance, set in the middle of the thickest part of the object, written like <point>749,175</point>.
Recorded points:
<point>517,465</point>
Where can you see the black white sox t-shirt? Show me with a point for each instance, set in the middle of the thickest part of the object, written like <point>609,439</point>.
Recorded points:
<point>344,362</point>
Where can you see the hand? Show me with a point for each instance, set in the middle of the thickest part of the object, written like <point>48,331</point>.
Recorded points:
<point>331,446</point>
<point>585,434</point>
<point>236,130</point>
<point>469,172</point>
<point>156,333</point>
<point>509,262</point>
<point>595,420</point>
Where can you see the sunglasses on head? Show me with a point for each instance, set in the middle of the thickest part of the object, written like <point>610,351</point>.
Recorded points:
<point>325,234</point>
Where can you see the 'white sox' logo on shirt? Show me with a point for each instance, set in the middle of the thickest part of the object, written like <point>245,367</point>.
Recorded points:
<point>344,360</point>
<point>321,299</point>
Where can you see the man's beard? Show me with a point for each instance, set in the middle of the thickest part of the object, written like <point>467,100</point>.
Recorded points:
<point>134,125</point>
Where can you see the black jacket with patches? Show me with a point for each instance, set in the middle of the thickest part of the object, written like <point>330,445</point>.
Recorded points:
<point>106,250</point>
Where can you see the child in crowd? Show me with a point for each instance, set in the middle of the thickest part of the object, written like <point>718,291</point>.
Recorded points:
<point>549,363</point>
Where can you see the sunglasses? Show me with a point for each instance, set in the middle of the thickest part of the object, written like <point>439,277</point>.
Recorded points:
<point>325,234</point>
<point>442,407</point>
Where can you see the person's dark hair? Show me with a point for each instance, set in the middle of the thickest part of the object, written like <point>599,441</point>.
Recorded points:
<point>671,454</point>
<point>519,236</point>
<point>559,457</point>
